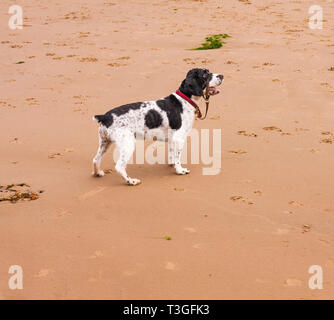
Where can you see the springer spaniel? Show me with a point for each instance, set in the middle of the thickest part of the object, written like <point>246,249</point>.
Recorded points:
<point>173,116</point>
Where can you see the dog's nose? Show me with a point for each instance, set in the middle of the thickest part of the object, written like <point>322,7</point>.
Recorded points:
<point>220,76</point>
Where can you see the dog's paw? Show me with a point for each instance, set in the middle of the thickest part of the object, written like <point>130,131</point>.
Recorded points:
<point>182,171</point>
<point>133,182</point>
<point>98,174</point>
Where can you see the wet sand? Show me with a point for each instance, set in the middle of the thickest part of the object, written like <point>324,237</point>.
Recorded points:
<point>250,232</point>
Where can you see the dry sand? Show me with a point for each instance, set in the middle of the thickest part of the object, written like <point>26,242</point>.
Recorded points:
<point>250,232</point>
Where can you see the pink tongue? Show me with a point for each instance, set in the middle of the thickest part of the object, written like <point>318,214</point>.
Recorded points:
<point>213,91</point>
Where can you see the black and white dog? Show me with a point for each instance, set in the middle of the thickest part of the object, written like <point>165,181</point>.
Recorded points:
<point>173,115</point>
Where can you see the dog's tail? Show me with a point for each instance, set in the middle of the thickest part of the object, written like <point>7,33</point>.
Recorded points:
<point>105,119</point>
<point>98,118</point>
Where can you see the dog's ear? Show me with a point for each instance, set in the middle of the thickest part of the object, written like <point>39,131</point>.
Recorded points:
<point>192,84</point>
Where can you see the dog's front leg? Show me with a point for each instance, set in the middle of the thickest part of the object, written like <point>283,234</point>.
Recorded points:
<point>178,143</point>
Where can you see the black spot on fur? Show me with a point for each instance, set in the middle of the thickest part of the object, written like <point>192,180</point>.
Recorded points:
<point>107,118</point>
<point>153,119</point>
<point>173,107</point>
<point>125,108</point>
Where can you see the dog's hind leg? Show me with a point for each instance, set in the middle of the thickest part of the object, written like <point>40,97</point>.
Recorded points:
<point>171,151</point>
<point>125,143</point>
<point>104,143</point>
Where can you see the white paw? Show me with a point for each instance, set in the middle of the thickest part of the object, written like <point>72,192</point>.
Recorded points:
<point>182,171</point>
<point>133,182</point>
<point>98,174</point>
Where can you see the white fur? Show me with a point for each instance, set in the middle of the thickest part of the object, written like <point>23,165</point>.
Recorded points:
<point>127,127</point>
<point>132,124</point>
<point>215,81</point>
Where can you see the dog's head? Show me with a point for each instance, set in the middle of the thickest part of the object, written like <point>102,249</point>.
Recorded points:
<point>198,79</point>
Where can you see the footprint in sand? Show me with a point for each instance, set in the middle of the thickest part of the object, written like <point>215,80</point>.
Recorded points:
<point>88,59</point>
<point>195,61</point>
<point>240,198</point>
<point>60,154</point>
<point>32,101</point>
<point>238,151</point>
<point>245,1</point>
<point>230,62</point>
<point>276,129</point>
<point>6,104</point>
<point>296,203</point>
<point>79,99</point>
<point>268,64</point>
<point>116,64</point>
<point>328,140</point>
<point>327,133</point>
<point>329,137</point>
<point>306,228</point>
<point>272,128</point>
<point>235,198</point>
<point>244,133</point>
<point>55,155</point>
<point>81,111</point>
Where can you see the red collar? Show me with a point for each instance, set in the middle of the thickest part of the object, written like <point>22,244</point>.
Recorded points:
<point>178,92</point>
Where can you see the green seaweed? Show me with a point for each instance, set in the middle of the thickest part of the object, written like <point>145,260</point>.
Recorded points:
<point>213,42</point>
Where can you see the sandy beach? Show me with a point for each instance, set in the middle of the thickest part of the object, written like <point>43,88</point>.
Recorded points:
<point>250,232</point>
